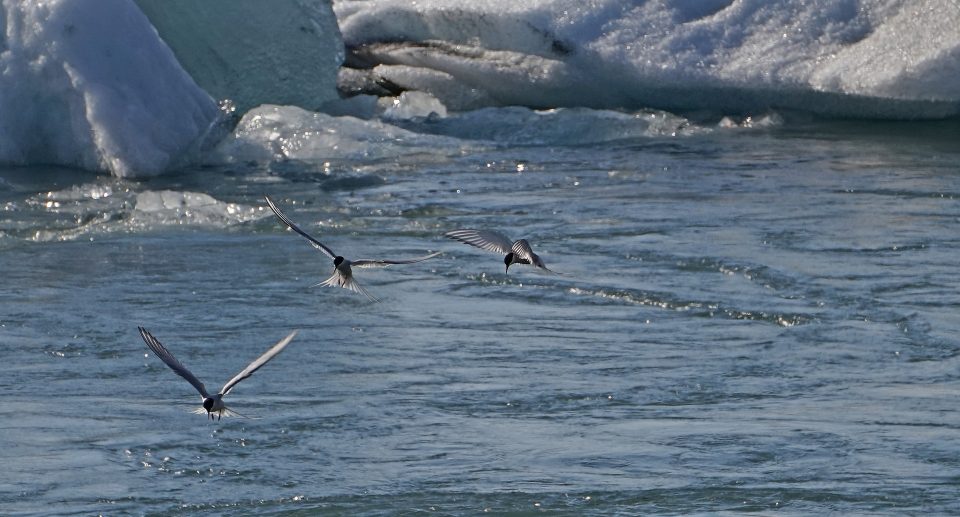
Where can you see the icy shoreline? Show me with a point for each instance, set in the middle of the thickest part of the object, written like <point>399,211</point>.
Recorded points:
<point>94,85</point>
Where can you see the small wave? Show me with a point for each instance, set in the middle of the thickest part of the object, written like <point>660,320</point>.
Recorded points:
<point>70,213</point>
<point>102,208</point>
<point>695,308</point>
<point>354,182</point>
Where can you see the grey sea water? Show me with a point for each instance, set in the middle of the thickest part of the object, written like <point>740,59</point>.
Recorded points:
<point>753,320</point>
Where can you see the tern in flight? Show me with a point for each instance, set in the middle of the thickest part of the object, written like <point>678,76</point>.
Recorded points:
<point>342,268</point>
<point>212,403</point>
<point>516,252</point>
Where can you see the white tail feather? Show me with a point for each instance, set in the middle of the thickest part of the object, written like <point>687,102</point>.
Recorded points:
<point>226,412</point>
<point>338,280</point>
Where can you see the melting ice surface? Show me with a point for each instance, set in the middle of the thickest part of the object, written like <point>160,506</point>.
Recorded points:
<point>280,52</point>
<point>874,59</point>
<point>92,84</point>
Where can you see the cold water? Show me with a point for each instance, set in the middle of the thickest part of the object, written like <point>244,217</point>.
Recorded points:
<point>759,315</point>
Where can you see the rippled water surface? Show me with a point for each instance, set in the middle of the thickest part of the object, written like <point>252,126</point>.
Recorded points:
<point>745,320</point>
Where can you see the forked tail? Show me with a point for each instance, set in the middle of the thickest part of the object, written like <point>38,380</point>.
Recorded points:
<point>226,412</point>
<point>338,280</point>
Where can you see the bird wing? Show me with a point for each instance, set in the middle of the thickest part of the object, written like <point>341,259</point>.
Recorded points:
<point>483,239</point>
<point>172,361</point>
<point>260,361</point>
<point>369,263</point>
<point>316,244</point>
<point>524,253</point>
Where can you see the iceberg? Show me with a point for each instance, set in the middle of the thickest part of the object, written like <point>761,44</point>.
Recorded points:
<point>131,87</point>
<point>254,52</point>
<point>89,84</point>
<point>847,58</point>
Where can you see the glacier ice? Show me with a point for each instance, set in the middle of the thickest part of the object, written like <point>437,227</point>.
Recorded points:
<point>861,58</point>
<point>254,52</point>
<point>413,105</point>
<point>92,84</point>
<point>89,84</point>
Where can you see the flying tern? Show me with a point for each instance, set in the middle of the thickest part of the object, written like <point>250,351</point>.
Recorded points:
<point>342,268</point>
<point>212,403</point>
<point>515,252</point>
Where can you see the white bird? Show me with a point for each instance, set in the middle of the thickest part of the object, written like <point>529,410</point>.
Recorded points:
<point>212,403</point>
<point>516,252</point>
<point>342,268</point>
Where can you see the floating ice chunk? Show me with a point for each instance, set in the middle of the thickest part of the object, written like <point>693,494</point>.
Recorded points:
<point>254,52</point>
<point>280,133</point>
<point>194,208</point>
<point>169,200</point>
<point>562,126</point>
<point>412,105</point>
<point>109,205</point>
<point>74,212</point>
<point>286,133</point>
<point>87,83</point>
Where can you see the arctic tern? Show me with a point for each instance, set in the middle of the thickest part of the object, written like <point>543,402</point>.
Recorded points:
<point>342,268</point>
<point>515,252</point>
<point>212,403</point>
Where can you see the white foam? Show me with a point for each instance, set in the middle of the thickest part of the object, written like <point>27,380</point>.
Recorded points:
<point>870,58</point>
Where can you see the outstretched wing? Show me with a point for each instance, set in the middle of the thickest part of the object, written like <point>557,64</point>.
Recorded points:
<point>369,263</point>
<point>524,254</point>
<point>171,361</point>
<point>260,361</point>
<point>316,244</point>
<point>483,239</point>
